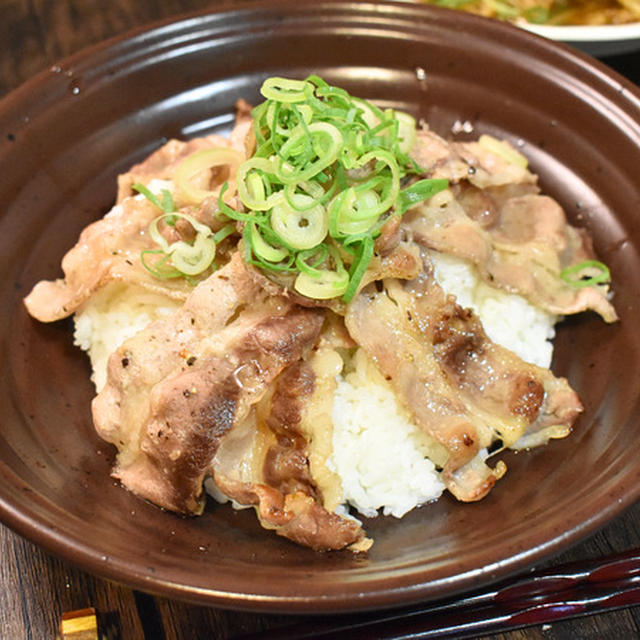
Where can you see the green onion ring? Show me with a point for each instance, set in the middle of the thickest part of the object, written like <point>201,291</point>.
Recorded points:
<point>284,89</point>
<point>603,276</point>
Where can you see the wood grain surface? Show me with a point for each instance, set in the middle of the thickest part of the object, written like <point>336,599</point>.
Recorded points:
<point>37,588</point>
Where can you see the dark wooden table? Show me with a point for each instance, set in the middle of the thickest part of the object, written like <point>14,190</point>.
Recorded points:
<point>37,588</point>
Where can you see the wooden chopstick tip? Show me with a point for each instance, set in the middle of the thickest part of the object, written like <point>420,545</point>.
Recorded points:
<point>81,624</point>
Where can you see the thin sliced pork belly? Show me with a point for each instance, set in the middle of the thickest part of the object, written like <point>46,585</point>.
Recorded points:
<point>514,396</point>
<point>277,445</point>
<point>470,161</point>
<point>521,246</point>
<point>299,414</point>
<point>163,162</point>
<point>493,216</point>
<point>111,246</point>
<point>175,388</point>
<point>462,389</point>
<point>107,251</point>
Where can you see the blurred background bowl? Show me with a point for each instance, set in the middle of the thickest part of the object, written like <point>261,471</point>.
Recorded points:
<point>599,41</point>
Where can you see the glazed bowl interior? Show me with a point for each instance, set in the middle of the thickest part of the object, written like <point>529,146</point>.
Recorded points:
<point>68,133</point>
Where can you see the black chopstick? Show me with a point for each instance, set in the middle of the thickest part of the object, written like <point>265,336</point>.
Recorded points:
<point>541,597</point>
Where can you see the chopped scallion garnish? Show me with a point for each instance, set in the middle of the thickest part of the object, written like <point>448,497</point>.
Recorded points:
<point>325,176</point>
<point>180,258</point>
<point>419,192</point>
<point>164,203</point>
<point>586,274</point>
<point>191,259</point>
<point>197,164</point>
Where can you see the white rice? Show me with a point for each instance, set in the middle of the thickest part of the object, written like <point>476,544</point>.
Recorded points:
<point>384,460</point>
<point>378,452</point>
<point>112,315</point>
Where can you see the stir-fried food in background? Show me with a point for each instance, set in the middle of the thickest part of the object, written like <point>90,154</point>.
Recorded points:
<point>551,12</point>
<point>308,316</point>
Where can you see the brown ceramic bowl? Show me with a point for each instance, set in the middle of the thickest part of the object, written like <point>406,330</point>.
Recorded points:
<point>66,134</point>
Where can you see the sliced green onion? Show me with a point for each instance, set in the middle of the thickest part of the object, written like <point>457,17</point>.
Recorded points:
<point>263,249</point>
<point>324,179</point>
<point>313,189</point>
<point>198,162</point>
<point>579,275</point>
<point>165,204</point>
<point>353,212</point>
<point>231,213</point>
<point>300,228</point>
<point>225,232</point>
<point>193,259</point>
<point>180,258</point>
<point>251,178</point>
<point>323,284</point>
<point>368,112</point>
<point>284,89</point>
<point>158,238</point>
<point>161,267</point>
<point>419,192</point>
<point>358,268</point>
<point>252,257</point>
<point>390,193</point>
<point>330,284</point>
<point>366,204</point>
<point>326,142</point>
<point>319,254</point>
<point>189,259</point>
<point>407,134</point>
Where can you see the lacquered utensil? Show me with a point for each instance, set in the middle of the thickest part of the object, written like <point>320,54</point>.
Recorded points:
<point>542,597</point>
